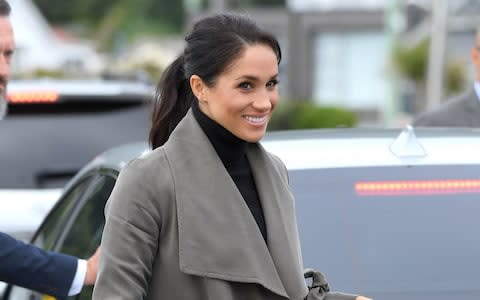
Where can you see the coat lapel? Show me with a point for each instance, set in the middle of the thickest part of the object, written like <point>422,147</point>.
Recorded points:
<point>279,210</point>
<point>218,236</point>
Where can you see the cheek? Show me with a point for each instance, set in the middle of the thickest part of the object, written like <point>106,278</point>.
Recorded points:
<point>274,99</point>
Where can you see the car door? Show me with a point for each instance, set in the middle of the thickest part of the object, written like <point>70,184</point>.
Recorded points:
<point>50,230</point>
<point>74,227</point>
<point>85,234</point>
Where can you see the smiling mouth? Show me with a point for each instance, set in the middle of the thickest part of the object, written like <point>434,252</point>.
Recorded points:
<point>256,120</point>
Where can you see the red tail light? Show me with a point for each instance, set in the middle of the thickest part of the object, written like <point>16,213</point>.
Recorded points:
<point>32,97</point>
<point>418,187</point>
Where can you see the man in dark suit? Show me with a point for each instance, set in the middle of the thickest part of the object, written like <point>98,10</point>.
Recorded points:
<point>26,265</point>
<point>50,273</point>
<point>462,111</point>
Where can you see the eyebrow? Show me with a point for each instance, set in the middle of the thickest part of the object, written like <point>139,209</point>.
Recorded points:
<point>254,78</point>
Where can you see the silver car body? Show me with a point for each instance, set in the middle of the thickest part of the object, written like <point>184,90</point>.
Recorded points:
<point>390,247</point>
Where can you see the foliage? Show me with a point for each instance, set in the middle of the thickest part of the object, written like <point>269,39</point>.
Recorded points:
<point>93,13</point>
<point>305,114</point>
<point>412,62</point>
<point>153,71</point>
<point>166,12</point>
<point>456,77</point>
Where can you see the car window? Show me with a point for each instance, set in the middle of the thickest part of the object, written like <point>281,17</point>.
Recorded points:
<point>50,231</point>
<point>53,224</point>
<point>84,236</point>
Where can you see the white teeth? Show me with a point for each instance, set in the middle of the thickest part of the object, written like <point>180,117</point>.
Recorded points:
<point>256,119</point>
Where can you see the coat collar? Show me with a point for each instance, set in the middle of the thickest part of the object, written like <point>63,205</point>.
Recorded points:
<point>228,245</point>
<point>472,99</point>
<point>471,106</point>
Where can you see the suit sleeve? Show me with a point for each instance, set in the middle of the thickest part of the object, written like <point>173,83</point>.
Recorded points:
<point>33,268</point>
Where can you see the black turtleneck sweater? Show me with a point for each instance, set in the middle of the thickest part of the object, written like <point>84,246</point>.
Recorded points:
<point>232,152</point>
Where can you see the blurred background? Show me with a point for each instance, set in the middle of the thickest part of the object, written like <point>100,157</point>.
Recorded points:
<point>353,63</point>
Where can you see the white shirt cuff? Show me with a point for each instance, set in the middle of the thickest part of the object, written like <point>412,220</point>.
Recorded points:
<point>79,278</point>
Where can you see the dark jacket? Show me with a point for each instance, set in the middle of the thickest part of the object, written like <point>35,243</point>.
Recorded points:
<point>463,111</point>
<point>33,268</point>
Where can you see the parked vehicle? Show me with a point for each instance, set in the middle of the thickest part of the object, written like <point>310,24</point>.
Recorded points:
<point>53,128</point>
<point>384,215</point>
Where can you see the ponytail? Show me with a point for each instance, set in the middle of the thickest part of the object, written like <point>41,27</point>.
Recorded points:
<point>173,97</point>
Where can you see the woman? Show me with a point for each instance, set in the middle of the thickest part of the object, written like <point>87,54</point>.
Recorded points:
<point>208,214</point>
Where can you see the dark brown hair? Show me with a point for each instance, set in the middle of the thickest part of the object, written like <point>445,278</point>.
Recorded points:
<point>4,8</point>
<point>214,43</point>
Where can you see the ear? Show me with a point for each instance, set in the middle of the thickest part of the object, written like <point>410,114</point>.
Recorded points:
<point>473,54</point>
<point>199,88</point>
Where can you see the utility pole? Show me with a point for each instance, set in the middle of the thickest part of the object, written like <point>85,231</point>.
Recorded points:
<point>394,23</point>
<point>436,58</point>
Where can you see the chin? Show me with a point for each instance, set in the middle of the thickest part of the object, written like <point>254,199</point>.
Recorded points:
<point>253,138</point>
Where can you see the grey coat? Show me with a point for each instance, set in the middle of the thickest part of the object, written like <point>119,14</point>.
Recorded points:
<point>178,228</point>
<point>463,111</point>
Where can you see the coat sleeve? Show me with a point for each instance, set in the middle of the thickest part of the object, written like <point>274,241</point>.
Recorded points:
<point>130,237</point>
<point>33,268</point>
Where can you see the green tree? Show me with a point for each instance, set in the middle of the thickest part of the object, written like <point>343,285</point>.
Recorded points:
<point>128,15</point>
<point>295,114</point>
<point>413,62</point>
<point>171,13</point>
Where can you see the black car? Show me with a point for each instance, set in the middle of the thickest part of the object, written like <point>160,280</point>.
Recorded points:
<point>52,129</point>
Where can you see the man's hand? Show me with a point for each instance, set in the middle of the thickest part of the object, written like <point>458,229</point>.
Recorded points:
<point>92,266</point>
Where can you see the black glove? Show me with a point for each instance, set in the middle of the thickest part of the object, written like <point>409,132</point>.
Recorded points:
<point>320,290</point>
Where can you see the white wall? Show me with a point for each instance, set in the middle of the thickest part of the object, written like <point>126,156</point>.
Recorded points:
<point>39,48</point>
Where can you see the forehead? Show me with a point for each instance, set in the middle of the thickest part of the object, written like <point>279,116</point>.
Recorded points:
<point>255,60</point>
<point>5,26</point>
<point>6,31</point>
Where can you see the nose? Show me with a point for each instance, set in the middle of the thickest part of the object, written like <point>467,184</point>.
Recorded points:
<point>263,101</point>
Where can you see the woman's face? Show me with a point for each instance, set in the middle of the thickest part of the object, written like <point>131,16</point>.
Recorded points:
<point>244,96</point>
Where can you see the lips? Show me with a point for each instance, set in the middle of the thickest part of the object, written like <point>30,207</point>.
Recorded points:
<point>256,120</point>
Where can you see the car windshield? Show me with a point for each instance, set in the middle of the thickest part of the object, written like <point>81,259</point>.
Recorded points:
<point>392,232</point>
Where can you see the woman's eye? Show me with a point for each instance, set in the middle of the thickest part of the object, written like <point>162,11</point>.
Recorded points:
<point>245,85</point>
<point>272,83</point>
